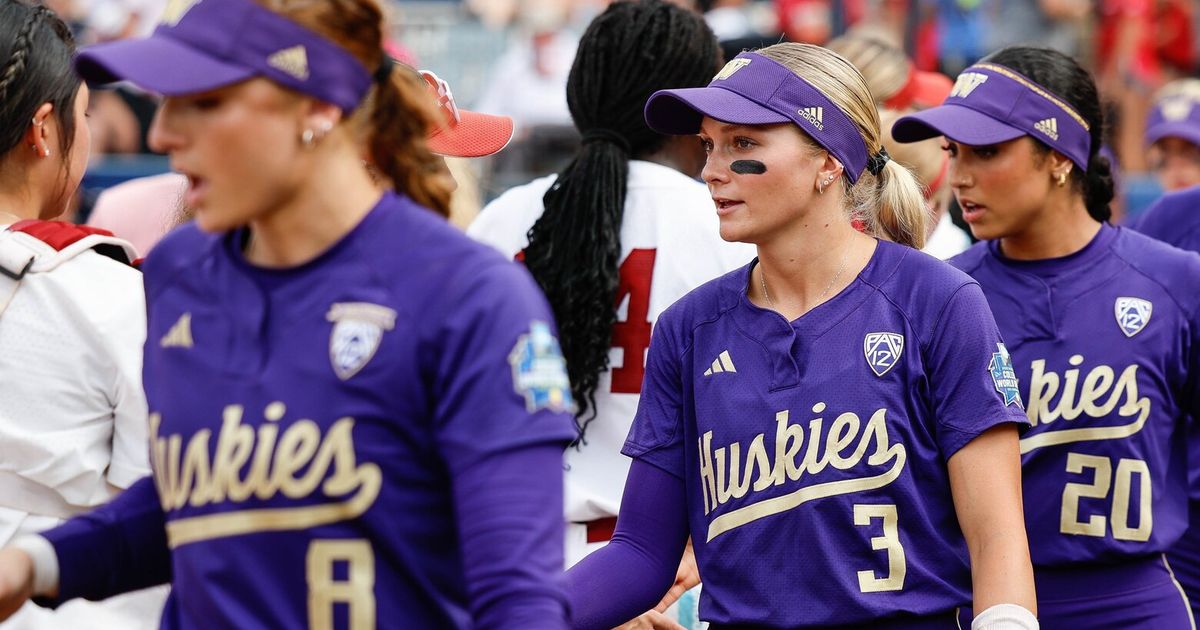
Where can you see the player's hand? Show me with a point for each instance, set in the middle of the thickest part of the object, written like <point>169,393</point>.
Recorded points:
<point>652,620</point>
<point>16,580</point>
<point>686,577</point>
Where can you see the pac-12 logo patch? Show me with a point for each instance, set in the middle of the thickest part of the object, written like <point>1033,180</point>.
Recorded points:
<point>358,328</point>
<point>1004,377</point>
<point>540,371</point>
<point>882,350</point>
<point>1133,314</point>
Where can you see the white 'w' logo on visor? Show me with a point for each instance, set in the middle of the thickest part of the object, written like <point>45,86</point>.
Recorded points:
<point>966,83</point>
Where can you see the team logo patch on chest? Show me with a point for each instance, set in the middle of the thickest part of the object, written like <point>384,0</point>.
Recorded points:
<point>882,350</point>
<point>1133,314</point>
<point>540,371</point>
<point>358,328</point>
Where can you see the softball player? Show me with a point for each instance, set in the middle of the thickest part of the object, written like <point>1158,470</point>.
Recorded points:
<point>833,424</point>
<point>649,235</point>
<point>1103,326</point>
<point>72,319</point>
<point>1173,135</point>
<point>357,414</point>
<point>1173,220</point>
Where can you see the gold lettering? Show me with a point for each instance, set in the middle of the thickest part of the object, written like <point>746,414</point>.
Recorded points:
<point>813,463</point>
<point>757,455</point>
<point>706,472</point>
<point>234,446</point>
<point>1042,387</point>
<point>736,488</point>
<point>1095,385</point>
<point>294,452</point>
<point>188,475</point>
<point>841,434</point>
<point>195,472</point>
<point>724,477</point>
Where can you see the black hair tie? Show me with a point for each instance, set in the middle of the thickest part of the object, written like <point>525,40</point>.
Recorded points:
<point>606,135</point>
<point>384,71</point>
<point>876,162</point>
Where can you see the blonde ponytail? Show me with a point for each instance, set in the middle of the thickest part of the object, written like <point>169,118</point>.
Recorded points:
<point>889,204</point>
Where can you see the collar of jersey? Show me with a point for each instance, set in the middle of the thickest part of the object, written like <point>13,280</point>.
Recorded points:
<point>1091,253</point>
<point>785,341</point>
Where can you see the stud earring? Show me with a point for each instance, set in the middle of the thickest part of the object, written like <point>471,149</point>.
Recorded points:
<point>308,137</point>
<point>1060,179</point>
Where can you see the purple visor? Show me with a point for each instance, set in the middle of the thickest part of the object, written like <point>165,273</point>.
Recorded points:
<point>1175,116</point>
<point>202,45</point>
<point>990,104</point>
<point>754,90</point>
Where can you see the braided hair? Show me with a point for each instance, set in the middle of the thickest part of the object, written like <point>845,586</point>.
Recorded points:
<point>1064,76</point>
<point>36,49</point>
<point>627,53</point>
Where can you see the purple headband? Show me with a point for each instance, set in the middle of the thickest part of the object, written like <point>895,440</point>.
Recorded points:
<point>990,104</point>
<point>202,45</point>
<point>754,90</point>
<point>1175,116</point>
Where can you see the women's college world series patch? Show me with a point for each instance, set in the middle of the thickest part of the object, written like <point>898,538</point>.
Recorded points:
<point>1004,377</point>
<point>539,370</point>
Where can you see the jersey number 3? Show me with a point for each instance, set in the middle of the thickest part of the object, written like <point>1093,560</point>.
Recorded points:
<point>632,335</point>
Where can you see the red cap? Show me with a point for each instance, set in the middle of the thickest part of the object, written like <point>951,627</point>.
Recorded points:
<point>922,91</point>
<point>465,133</point>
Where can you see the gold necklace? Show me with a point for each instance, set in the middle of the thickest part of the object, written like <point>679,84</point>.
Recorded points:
<point>762,277</point>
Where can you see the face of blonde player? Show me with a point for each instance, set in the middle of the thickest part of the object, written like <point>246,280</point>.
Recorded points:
<point>755,207</point>
<point>1001,188</point>
<point>1176,163</point>
<point>74,163</point>
<point>239,147</point>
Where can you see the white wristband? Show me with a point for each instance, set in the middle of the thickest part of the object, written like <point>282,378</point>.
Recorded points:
<point>45,562</point>
<point>1005,617</point>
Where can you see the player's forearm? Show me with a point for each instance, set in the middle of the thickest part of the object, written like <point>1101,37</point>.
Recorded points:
<point>985,478</point>
<point>633,571</point>
<point>117,548</point>
<point>1001,573</point>
<point>509,508</point>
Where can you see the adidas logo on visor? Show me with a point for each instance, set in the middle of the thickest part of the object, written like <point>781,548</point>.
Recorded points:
<point>1049,127</point>
<point>814,115</point>
<point>293,61</point>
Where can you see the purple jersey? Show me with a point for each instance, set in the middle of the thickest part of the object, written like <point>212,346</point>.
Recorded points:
<point>1105,346</point>
<point>307,422</point>
<point>814,453</point>
<point>1174,219</point>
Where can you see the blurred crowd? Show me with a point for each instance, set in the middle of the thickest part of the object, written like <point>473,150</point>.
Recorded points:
<point>512,57</point>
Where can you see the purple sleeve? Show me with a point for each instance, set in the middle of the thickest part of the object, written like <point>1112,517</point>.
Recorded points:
<point>509,508</point>
<point>118,547</point>
<point>630,574</point>
<point>501,398</point>
<point>499,381</point>
<point>971,377</point>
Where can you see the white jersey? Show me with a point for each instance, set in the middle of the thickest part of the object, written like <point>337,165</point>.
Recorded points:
<point>669,245</point>
<point>73,427</point>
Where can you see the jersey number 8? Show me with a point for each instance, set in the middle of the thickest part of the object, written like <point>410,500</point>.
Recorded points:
<point>356,591</point>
